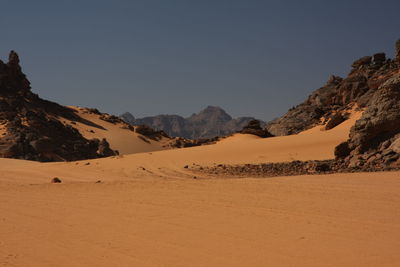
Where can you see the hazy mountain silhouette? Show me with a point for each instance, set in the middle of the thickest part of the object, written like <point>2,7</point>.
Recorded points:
<point>208,123</point>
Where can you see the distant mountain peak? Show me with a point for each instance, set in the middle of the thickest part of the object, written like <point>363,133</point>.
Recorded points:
<point>211,113</point>
<point>210,122</point>
<point>128,117</point>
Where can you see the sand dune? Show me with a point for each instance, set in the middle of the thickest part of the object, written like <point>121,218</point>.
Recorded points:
<point>120,138</point>
<point>145,212</point>
<point>313,144</point>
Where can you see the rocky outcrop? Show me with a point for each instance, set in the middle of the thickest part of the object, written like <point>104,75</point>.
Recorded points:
<point>310,167</point>
<point>105,150</point>
<point>334,121</point>
<point>373,85</point>
<point>254,128</point>
<point>150,132</point>
<point>375,137</point>
<point>338,95</point>
<point>208,123</point>
<point>34,130</point>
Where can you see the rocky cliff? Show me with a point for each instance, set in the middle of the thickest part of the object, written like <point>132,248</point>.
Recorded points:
<point>337,95</point>
<point>372,85</point>
<point>30,126</point>
<point>374,141</point>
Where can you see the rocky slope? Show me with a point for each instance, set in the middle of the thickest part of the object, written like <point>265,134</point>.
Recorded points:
<point>208,123</point>
<point>35,129</point>
<point>374,140</point>
<point>372,85</point>
<point>31,126</point>
<point>337,95</point>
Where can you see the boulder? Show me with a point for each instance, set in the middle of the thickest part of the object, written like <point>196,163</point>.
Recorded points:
<point>334,121</point>
<point>362,61</point>
<point>105,150</point>
<point>254,128</point>
<point>150,132</point>
<point>333,79</point>
<point>379,58</point>
<point>56,180</point>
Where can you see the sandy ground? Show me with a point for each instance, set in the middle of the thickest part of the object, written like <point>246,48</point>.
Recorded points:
<point>332,220</point>
<point>149,211</point>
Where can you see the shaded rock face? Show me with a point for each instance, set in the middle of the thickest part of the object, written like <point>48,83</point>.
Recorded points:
<point>338,94</point>
<point>375,137</point>
<point>254,128</point>
<point>373,84</point>
<point>173,125</point>
<point>12,80</point>
<point>208,123</point>
<point>33,127</point>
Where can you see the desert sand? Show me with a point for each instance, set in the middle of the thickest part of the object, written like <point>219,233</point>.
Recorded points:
<point>322,220</point>
<point>149,211</point>
<point>119,137</point>
<point>312,144</point>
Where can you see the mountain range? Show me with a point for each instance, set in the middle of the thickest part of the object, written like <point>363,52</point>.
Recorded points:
<point>208,123</point>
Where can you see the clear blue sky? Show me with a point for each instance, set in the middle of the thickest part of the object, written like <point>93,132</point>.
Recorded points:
<point>250,57</point>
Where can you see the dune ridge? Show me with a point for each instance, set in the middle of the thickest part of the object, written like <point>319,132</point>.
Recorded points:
<point>313,144</point>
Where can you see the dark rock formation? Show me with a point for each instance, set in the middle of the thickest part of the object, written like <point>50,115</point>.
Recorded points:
<point>110,118</point>
<point>379,58</point>
<point>361,62</point>
<point>334,121</point>
<point>56,180</point>
<point>150,132</point>
<point>105,150</point>
<point>34,130</point>
<point>254,128</point>
<point>208,123</point>
<point>373,85</point>
<point>374,139</point>
<point>337,95</point>
<point>296,167</point>
<point>342,150</point>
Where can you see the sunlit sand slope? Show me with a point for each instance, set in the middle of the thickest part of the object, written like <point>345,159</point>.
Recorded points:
<point>313,144</point>
<point>119,137</point>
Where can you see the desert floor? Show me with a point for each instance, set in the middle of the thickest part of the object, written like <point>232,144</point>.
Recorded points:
<point>149,211</point>
<point>330,220</point>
